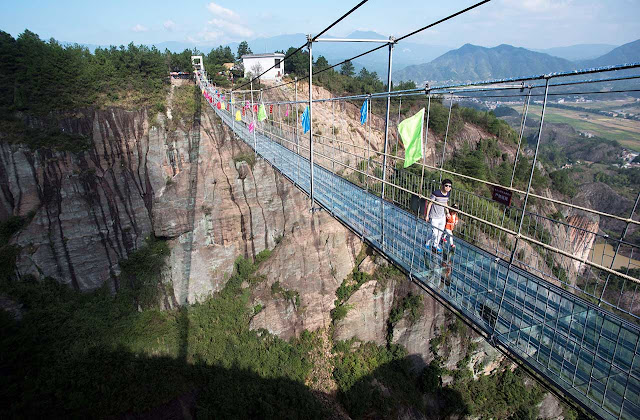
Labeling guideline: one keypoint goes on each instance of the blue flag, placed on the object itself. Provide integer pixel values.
(363, 112)
(306, 123)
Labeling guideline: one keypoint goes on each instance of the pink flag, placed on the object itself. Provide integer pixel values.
(219, 106)
(251, 127)
(286, 113)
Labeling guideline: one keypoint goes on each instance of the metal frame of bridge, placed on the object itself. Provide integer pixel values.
(581, 349)
(580, 343)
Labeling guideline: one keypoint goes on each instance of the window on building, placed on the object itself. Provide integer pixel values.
(278, 63)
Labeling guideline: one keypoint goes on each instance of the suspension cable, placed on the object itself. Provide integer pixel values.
(384, 45)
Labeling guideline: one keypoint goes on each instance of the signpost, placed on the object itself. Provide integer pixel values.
(502, 195)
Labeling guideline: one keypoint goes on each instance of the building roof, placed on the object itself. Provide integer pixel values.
(262, 55)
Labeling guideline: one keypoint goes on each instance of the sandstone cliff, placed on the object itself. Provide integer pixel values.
(203, 190)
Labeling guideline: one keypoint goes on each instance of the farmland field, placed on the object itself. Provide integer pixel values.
(624, 131)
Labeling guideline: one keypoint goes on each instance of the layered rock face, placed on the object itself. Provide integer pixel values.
(91, 209)
(202, 190)
(192, 187)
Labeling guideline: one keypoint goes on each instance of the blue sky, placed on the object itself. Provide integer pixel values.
(526, 23)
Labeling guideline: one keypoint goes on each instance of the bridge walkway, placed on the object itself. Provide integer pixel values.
(588, 353)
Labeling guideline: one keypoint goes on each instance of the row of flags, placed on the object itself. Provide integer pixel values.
(410, 129)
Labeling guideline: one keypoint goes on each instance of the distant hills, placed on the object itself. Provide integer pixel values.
(580, 52)
(471, 62)
(627, 53)
(439, 63)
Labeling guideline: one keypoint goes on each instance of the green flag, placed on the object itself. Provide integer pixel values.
(262, 114)
(411, 133)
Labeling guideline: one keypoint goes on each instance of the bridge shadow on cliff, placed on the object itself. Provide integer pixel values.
(45, 376)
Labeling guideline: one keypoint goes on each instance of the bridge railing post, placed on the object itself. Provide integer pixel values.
(446, 135)
(296, 133)
(526, 197)
(309, 46)
(386, 141)
(253, 119)
(615, 254)
(525, 111)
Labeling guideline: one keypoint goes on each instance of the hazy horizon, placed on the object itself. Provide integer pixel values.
(533, 24)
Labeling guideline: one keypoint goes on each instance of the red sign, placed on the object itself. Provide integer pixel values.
(502, 195)
(270, 109)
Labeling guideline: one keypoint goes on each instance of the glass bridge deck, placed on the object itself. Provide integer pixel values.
(586, 352)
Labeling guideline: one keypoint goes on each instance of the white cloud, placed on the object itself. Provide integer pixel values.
(169, 25)
(538, 6)
(139, 28)
(231, 28)
(207, 36)
(218, 10)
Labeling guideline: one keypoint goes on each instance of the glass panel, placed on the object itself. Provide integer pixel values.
(596, 392)
(624, 352)
(633, 390)
(606, 348)
(630, 411)
(610, 329)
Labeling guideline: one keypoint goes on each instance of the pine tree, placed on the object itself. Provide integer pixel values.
(347, 69)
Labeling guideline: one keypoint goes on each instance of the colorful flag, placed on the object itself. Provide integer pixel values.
(218, 105)
(286, 112)
(243, 109)
(306, 122)
(411, 133)
(251, 126)
(255, 108)
(363, 112)
(238, 116)
(221, 105)
(270, 109)
(262, 113)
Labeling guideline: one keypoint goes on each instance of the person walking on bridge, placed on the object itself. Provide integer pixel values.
(437, 214)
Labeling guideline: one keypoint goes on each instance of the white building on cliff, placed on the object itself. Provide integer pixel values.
(257, 63)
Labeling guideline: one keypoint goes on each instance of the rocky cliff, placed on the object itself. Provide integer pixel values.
(204, 191)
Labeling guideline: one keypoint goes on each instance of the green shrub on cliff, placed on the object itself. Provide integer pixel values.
(94, 355)
(375, 381)
(141, 271)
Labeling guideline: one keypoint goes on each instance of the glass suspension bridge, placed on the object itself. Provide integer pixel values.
(554, 294)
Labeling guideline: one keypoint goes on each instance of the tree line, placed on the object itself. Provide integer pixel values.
(39, 76)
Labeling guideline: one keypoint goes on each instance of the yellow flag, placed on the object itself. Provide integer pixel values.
(238, 116)
(222, 106)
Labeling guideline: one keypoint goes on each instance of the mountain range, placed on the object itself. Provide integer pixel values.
(472, 62)
(423, 62)
(579, 52)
